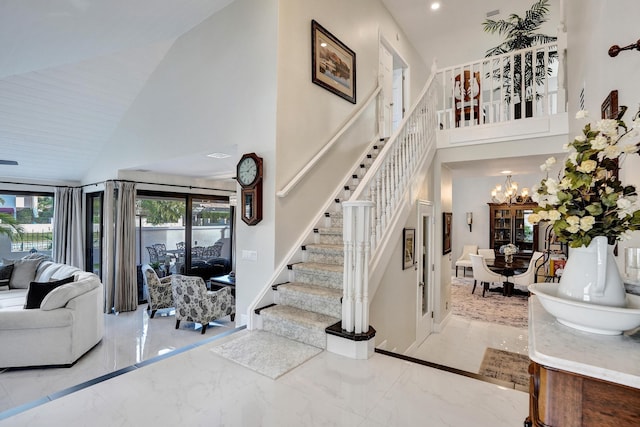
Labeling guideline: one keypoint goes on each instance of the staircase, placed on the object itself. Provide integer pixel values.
(311, 300)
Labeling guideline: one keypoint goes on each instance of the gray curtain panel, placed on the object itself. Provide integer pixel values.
(126, 287)
(108, 250)
(68, 241)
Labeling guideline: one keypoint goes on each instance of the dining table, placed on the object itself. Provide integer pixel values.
(508, 269)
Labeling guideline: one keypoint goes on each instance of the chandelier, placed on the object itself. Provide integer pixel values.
(509, 193)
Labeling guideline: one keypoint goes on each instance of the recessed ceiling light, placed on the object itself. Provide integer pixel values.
(323, 44)
(219, 155)
(506, 172)
(8, 162)
(435, 5)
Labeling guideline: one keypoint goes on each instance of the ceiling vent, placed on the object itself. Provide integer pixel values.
(493, 13)
(8, 162)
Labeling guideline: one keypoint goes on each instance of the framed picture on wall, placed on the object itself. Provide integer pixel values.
(333, 64)
(609, 107)
(408, 247)
(446, 232)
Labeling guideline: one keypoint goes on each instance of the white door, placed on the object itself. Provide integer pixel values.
(424, 240)
(386, 79)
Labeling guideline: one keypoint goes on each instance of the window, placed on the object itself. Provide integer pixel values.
(32, 215)
(184, 234)
(94, 233)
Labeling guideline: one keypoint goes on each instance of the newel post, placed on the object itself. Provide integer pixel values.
(353, 337)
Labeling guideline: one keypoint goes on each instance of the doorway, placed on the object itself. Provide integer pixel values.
(393, 71)
(424, 305)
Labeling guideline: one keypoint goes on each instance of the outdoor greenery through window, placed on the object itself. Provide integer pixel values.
(26, 224)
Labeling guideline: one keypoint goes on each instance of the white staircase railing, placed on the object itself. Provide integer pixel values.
(370, 210)
(496, 85)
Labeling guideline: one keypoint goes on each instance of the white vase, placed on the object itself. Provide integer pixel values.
(591, 275)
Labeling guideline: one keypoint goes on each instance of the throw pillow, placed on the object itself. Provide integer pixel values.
(5, 276)
(24, 272)
(37, 291)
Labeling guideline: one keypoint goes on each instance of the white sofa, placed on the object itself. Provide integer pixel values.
(69, 322)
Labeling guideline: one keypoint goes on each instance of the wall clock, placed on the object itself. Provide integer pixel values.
(249, 176)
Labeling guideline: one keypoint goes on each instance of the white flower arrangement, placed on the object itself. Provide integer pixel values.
(509, 249)
(589, 200)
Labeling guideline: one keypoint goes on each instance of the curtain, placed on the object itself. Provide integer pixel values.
(68, 240)
(126, 278)
(119, 273)
(108, 252)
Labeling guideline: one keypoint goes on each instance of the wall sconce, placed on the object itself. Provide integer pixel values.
(469, 219)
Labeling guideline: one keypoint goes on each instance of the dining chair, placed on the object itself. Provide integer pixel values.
(467, 94)
(482, 274)
(528, 277)
(464, 260)
(487, 253)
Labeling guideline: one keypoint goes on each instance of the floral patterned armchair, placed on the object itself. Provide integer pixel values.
(194, 303)
(159, 289)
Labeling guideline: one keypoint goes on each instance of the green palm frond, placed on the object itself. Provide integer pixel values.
(9, 226)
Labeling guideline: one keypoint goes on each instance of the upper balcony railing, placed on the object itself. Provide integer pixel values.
(497, 89)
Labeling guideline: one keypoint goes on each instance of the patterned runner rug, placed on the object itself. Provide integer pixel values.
(505, 366)
(493, 308)
(268, 354)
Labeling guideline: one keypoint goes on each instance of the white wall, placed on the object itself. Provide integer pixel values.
(216, 83)
(594, 26)
(392, 310)
(309, 115)
(462, 43)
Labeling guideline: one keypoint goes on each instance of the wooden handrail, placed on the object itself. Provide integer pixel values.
(296, 179)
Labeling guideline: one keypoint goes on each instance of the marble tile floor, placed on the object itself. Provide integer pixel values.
(200, 388)
(462, 342)
(130, 338)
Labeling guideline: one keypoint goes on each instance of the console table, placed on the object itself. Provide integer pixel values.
(581, 379)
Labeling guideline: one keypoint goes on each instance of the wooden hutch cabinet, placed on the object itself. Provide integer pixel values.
(508, 224)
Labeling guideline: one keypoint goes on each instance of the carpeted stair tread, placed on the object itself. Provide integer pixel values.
(309, 288)
(330, 230)
(300, 325)
(326, 247)
(307, 296)
(319, 267)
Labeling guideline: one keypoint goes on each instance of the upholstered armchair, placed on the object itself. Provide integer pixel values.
(159, 290)
(194, 303)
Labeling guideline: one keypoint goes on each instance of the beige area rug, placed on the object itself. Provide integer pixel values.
(494, 307)
(268, 354)
(506, 366)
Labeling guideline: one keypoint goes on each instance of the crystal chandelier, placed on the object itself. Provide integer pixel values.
(509, 193)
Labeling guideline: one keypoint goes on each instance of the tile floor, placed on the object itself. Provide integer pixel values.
(462, 343)
(130, 338)
(198, 387)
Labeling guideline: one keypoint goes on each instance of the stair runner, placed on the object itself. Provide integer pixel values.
(312, 300)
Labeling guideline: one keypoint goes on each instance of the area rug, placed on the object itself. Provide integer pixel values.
(506, 366)
(266, 353)
(493, 308)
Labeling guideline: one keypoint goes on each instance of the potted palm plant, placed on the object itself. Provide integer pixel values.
(521, 33)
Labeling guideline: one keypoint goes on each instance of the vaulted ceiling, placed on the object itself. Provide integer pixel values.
(70, 69)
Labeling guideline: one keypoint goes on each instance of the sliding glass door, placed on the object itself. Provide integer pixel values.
(184, 234)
